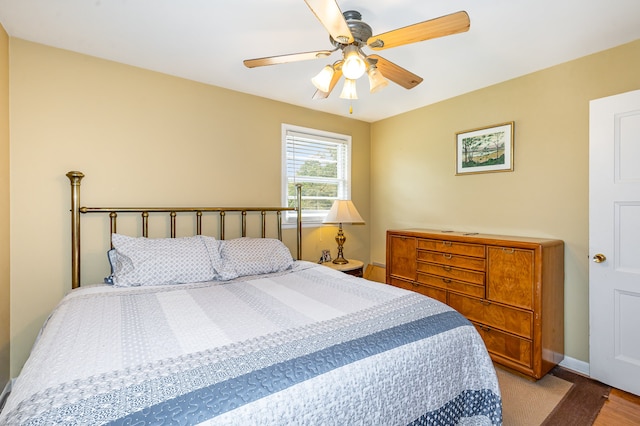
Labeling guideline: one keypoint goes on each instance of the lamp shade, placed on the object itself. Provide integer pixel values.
(376, 79)
(322, 81)
(343, 211)
(349, 89)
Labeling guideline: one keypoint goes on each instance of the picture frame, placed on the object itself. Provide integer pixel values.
(485, 150)
(326, 256)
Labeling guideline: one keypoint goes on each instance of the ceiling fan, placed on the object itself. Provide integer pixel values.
(349, 34)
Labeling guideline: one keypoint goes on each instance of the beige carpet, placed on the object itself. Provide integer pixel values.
(528, 403)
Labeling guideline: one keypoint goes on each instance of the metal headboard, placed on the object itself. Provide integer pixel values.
(76, 210)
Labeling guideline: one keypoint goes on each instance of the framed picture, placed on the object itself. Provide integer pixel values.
(484, 150)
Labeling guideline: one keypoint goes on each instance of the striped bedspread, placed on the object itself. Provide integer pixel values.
(311, 346)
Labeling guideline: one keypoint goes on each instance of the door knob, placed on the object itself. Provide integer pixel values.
(599, 258)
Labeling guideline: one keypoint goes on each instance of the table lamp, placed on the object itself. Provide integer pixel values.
(342, 211)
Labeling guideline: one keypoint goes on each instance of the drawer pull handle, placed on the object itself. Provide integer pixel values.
(447, 268)
(446, 243)
(508, 250)
(446, 255)
(446, 280)
(483, 328)
(485, 302)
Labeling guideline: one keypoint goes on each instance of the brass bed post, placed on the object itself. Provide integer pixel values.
(244, 223)
(222, 225)
(198, 223)
(173, 224)
(75, 178)
(299, 218)
(113, 226)
(279, 215)
(264, 223)
(145, 224)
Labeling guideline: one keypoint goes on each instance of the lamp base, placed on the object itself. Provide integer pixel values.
(340, 239)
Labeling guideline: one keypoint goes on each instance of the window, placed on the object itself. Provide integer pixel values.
(321, 162)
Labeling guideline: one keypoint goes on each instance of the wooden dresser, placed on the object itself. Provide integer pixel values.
(510, 288)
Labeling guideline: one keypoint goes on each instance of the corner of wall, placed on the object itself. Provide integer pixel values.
(5, 299)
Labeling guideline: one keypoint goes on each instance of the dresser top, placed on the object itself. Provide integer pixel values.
(445, 234)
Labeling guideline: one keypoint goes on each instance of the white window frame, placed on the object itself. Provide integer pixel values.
(315, 217)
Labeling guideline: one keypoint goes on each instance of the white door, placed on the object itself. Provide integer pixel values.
(614, 241)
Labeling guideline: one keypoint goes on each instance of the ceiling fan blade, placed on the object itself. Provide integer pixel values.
(319, 94)
(330, 16)
(439, 27)
(396, 73)
(282, 59)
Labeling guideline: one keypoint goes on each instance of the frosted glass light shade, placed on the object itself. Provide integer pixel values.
(343, 211)
(354, 65)
(349, 89)
(322, 80)
(376, 80)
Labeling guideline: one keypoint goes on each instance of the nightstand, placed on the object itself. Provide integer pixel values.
(354, 267)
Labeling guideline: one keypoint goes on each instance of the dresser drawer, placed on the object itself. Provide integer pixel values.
(433, 292)
(474, 290)
(465, 249)
(449, 259)
(507, 346)
(402, 257)
(400, 283)
(451, 272)
(511, 276)
(512, 320)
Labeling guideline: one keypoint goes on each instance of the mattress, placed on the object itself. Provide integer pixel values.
(302, 347)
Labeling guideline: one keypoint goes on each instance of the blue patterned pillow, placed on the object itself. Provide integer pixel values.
(253, 256)
(155, 261)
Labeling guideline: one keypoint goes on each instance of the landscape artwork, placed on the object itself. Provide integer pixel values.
(488, 149)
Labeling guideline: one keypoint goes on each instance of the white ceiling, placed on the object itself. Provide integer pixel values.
(207, 40)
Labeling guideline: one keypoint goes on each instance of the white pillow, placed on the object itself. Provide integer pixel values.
(253, 256)
(155, 261)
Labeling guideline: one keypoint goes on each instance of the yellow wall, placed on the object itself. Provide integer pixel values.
(413, 167)
(4, 208)
(141, 138)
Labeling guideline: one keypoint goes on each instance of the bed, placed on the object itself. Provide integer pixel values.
(222, 331)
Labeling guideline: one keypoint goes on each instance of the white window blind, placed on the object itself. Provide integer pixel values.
(319, 161)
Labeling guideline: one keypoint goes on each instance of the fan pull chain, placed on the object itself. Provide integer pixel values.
(350, 108)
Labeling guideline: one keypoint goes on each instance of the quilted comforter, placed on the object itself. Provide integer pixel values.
(307, 346)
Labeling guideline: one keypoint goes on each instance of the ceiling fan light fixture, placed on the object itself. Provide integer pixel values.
(349, 34)
(376, 79)
(349, 89)
(354, 65)
(322, 80)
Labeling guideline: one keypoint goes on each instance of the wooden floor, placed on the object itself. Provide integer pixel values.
(621, 409)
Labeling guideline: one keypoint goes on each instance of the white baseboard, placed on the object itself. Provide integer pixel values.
(575, 365)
